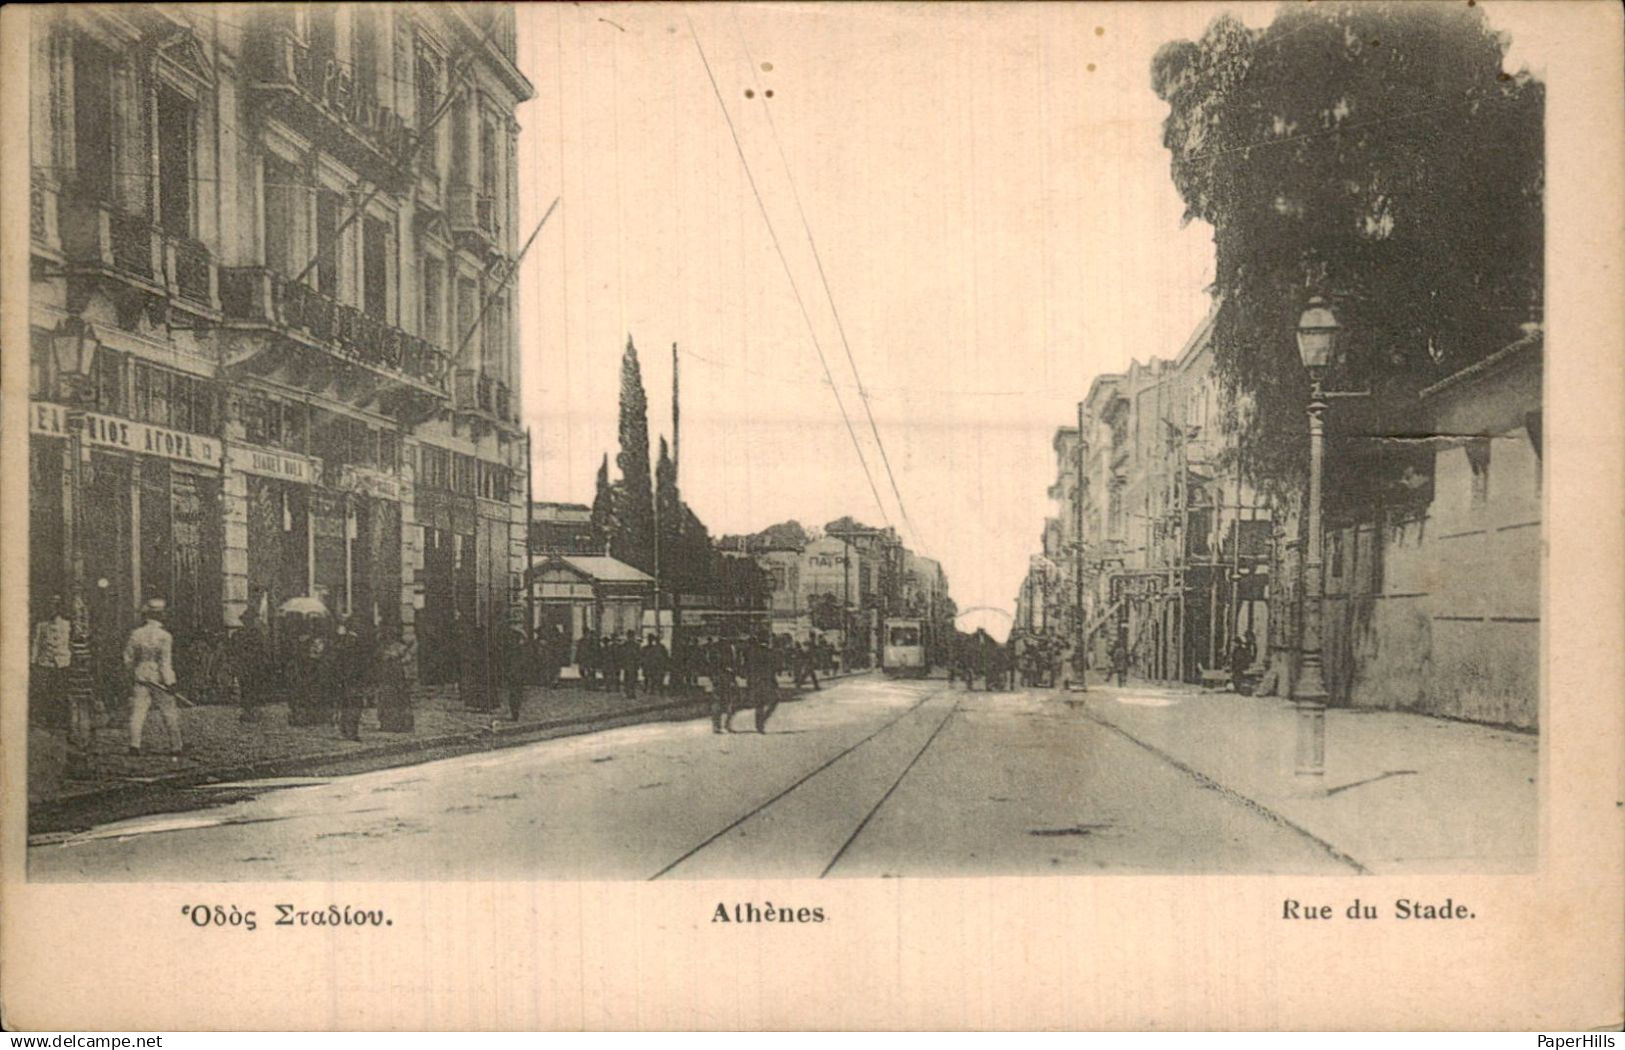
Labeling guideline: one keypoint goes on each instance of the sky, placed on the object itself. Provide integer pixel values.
(970, 204)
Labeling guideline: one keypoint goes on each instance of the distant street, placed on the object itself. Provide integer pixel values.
(869, 778)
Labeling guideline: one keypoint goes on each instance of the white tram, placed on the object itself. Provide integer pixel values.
(903, 651)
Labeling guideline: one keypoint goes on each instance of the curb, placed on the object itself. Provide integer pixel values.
(505, 736)
(47, 812)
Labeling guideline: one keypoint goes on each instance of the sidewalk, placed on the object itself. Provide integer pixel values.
(1404, 793)
(221, 747)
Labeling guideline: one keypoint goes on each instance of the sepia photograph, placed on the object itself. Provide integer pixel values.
(839, 463)
(499, 442)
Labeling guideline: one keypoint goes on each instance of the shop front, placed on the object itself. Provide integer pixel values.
(125, 511)
(278, 487)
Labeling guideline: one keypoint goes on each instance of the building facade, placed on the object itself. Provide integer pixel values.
(1156, 521)
(273, 343)
(1433, 584)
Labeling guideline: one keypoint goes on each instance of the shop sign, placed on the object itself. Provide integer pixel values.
(273, 463)
(126, 435)
(365, 481)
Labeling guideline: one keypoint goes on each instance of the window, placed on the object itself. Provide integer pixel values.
(488, 158)
(93, 118)
(176, 130)
(39, 363)
(1478, 459)
(467, 304)
(284, 208)
(375, 268)
(366, 55)
(389, 450)
(464, 476)
(459, 141)
(164, 398)
(327, 243)
(494, 335)
(434, 467)
(434, 305)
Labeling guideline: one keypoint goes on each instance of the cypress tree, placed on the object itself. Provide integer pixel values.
(635, 513)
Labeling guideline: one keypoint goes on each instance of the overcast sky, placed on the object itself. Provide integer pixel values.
(991, 205)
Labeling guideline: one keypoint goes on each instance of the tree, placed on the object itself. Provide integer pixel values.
(635, 511)
(1373, 154)
(605, 527)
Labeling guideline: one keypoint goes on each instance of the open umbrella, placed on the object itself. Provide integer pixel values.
(305, 606)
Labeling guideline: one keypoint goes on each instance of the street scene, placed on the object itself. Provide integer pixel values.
(506, 442)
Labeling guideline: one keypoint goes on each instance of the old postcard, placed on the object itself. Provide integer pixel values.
(770, 516)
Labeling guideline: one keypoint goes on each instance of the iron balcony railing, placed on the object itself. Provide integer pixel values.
(256, 294)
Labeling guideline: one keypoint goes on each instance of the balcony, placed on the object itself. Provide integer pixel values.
(473, 219)
(482, 399)
(392, 362)
(43, 232)
(311, 89)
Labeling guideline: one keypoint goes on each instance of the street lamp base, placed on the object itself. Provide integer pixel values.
(1310, 772)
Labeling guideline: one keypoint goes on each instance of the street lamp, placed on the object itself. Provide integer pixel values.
(1317, 339)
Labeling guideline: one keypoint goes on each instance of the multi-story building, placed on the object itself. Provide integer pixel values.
(1152, 508)
(272, 340)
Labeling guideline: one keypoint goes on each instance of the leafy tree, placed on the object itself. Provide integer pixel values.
(635, 510)
(1376, 155)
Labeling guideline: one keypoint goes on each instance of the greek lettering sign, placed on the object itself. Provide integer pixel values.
(367, 482)
(126, 435)
(273, 463)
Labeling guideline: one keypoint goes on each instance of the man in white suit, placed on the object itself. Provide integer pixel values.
(147, 655)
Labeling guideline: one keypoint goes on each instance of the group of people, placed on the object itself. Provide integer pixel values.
(329, 670)
(617, 663)
(1039, 658)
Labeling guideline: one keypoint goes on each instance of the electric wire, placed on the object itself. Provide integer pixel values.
(789, 275)
(829, 294)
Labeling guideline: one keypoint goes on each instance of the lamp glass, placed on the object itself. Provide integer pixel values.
(1317, 336)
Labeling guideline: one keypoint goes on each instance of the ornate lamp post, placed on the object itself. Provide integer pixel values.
(1317, 338)
(73, 349)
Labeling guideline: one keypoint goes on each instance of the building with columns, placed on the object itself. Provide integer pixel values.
(272, 335)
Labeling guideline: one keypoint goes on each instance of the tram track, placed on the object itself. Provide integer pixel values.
(808, 783)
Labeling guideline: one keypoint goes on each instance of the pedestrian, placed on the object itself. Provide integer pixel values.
(653, 661)
(806, 669)
(761, 679)
(351, 666)
(555, 654)
(1239, 662)
(49, 659)
(587, 660)
(149, 659)
(1120, 660)
(515, 668)
(724, 696)
(394, 684)
(629, 664)
(248, 651)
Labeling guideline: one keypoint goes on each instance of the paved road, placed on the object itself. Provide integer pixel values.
(869, 778)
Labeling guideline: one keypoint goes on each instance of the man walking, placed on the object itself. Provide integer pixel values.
(720, 669)
(762, 682)
(148, 656)
(805, 663)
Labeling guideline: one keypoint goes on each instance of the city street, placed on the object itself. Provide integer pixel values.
(867, 778)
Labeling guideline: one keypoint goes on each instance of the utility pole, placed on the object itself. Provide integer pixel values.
(1080, 660)
(530, 553)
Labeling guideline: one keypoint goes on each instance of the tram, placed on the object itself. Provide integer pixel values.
(904, 651)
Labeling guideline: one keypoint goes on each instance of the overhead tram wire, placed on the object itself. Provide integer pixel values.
(783, 261)
(840, 326)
